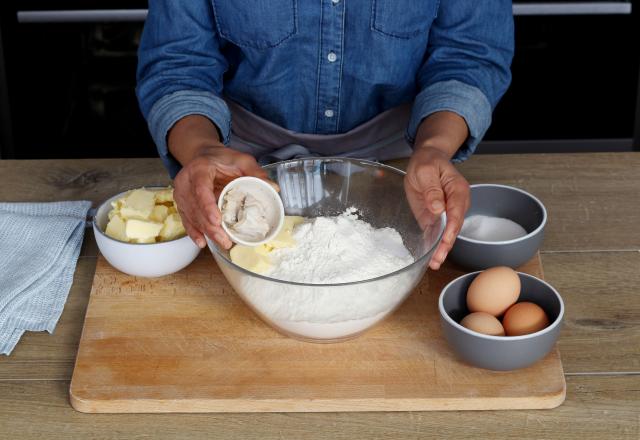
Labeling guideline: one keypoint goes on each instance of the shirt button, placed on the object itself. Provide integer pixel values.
(335, 2)
(328, 113)
(332, 57)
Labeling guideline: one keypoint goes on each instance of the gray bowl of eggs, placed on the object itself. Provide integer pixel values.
(500, 319)
(503, 227)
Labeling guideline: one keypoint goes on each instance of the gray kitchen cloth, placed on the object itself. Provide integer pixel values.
(39, 248)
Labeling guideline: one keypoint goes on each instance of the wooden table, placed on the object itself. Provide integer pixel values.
(591, 254)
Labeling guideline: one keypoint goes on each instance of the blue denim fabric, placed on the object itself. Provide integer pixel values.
(324, 66)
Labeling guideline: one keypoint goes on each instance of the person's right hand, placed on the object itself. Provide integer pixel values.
(198, 185)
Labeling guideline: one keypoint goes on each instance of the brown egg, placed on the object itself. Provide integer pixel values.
(494, 291)
(482, 322)
(524, 318)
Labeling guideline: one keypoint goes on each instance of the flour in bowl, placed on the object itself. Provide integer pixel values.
(339, 249)
(321, 251)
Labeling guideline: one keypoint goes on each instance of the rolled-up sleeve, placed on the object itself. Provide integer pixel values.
(467, 66)
(180, 70)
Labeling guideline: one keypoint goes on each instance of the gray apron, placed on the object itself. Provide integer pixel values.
(380, 138)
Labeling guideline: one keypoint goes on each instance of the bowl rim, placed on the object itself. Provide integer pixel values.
(443, 313)
(214, 248)
(514, 240)
(96, 227)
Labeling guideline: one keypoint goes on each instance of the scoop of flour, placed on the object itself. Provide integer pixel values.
(487, 228)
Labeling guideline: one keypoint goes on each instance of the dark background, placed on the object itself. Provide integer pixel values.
(70, 86)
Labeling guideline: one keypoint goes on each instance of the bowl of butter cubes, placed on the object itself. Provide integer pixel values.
(140, 233)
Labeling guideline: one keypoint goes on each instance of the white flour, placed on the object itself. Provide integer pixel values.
(487, 228)
(331, 250)
(339, 249)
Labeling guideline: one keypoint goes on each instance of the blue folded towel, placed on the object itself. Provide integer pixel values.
(39, 248)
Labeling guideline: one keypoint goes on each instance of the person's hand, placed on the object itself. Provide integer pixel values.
(198, 185)
(433, 185)
(207, 166)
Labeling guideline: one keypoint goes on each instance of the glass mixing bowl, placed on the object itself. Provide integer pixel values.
(327, 187)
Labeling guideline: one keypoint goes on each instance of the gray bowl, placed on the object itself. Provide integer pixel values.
(507, 202)
(500, 352)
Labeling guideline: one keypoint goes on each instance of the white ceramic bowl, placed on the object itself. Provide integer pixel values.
(274, 208)
(142, 259)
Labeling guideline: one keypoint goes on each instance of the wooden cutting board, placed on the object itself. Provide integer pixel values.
(187, 343)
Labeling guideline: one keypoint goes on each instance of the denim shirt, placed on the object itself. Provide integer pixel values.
(323, 66)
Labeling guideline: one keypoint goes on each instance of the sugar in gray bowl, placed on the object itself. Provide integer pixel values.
(506, 202)
(500, 352)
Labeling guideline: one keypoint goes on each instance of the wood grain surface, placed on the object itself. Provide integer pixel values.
(187, 343)
(597, 408)
(602, 308)
(592, 262)
(591, 196)
(601, 291)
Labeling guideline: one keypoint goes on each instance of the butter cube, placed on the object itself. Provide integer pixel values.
(284, 238)
(256, 258)
(143, 240)
(142, 229)
(138, 204)
(117, 204)
(172, 228)
(164, 195)
(247, 258)
(263, 249)
(159, 213)
(116, 228)
(290, 221)
(140, 215)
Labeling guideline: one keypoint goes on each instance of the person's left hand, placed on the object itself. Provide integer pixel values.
(433, 185)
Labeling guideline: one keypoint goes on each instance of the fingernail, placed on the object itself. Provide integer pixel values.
(201, 243)
(437, 205)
